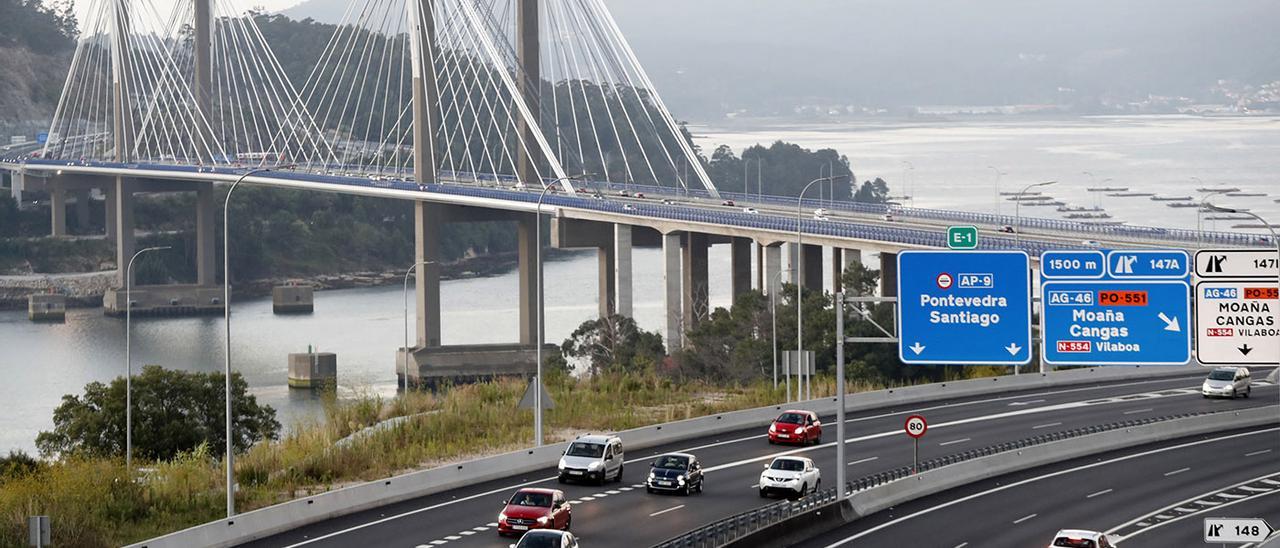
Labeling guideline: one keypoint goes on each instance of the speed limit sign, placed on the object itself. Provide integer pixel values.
(916, 426)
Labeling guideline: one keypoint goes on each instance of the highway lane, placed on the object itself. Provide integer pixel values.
(1155, 495)
(733, 462)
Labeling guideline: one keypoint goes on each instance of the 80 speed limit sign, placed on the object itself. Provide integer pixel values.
(916, 426)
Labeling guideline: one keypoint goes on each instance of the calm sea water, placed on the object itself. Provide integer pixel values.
(41, 362)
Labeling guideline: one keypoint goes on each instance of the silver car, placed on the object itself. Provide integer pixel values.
(1227, 382)
(592, 458)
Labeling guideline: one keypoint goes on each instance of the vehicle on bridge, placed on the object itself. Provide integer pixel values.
(792, 476)
(1227, 382)
(592, 458)
(796, 426)
(532, 508)
(1079, 538)
(675, 472)
(547, 539)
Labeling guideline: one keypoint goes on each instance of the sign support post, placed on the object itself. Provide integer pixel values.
(840, 462)
(916, 426)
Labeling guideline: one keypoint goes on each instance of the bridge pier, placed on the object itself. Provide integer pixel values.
(694, 279)
(811, 269)
(888, 274)
(772, 268)
(57, 210)
(740, 266)
(206, 269)
(607, 280)
(527, 248)
(122, 226)
(671, 289)
(622, 290)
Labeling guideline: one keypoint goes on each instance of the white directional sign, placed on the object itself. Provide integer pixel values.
(1236, 530)
(1236, 263)
(1236, 323)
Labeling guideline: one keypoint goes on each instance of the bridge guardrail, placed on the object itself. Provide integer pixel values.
(726, 531)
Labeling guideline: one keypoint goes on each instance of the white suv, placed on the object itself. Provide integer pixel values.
(790, 475)
(1227, 382)
(1079, 538)
(592, 458)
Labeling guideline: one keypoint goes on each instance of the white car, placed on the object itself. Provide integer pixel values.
(547, 538)
(790, 475)
(820, 212)
(1079, 538)
(1227, 382)
(750, 210)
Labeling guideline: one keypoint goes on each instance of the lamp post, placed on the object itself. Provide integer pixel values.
(1017, 211)
(1204, 202)
(537, 379)
(1274, 240)
(997, 187)
(773, 314)
(408, 273)
(799, 270)
(128, 358)
(226, 309)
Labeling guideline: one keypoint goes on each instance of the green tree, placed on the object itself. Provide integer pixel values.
(731, 345)
(174, 412)
(872, 192)
(613, 344)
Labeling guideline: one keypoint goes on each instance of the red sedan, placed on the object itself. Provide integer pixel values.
(796, 426)
(534, 509)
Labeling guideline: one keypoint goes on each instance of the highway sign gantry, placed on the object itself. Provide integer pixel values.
(1236, 305)
(1121, 307)
(1236, 530)
(964, 307)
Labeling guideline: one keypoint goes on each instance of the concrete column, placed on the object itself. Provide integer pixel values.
(529, 82)
(123, 227)
(109, 205)
(206, 228)
(607, 280)
(772, 267)
(849, 257)
(740, 261)
(837, 270)
(57, 210)
(622, 269)
(760, 281)
(694, 269)
(426, 236)
(82, 210)
(671, 291)
(527, 248)
(812, 274)
(888, 274)
(793, 263)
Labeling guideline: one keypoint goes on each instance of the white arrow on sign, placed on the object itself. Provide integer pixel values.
(1013, 349)
(1236, 530)
(1170, 325)
(917, 348)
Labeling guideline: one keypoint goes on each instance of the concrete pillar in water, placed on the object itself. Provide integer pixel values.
(888, 274)
(57, 209)
(772, 269)
(811, 256)
(313, 370)
(206, 257)
(123, 227)
(671, 292)
(426, 236)
(622, 269)
(694, 281)
(527, 249)
(607, 279)
(740, 266)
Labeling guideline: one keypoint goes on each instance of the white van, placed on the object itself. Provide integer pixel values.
(592, 458)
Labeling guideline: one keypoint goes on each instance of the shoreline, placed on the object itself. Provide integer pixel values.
(86, 289)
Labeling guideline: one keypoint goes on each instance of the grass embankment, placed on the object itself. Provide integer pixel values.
(92, 503)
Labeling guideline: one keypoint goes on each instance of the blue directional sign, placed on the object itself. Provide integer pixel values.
(964, 307)
(1138, 311)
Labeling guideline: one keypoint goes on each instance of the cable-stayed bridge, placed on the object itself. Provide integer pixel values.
(469, 108)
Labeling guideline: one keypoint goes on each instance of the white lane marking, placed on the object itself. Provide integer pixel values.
(491, 524)
(625, 488)
(660, 512)
(1230, 496)
(1175, 472)
(1255, 489)
(953, 442)
(508, 488)
(1099, 493)
(588, 498)
(639, 485)
(1006, 487)
(1271, 482)
(1256, 453)
(466, 533)
(453, 537)
(1207, 503)
(962, 545)
(860, 461)
(1024, 518)
(1037, 427)
(1136, 411)
(617, 492)
(1117, 541)
(481, 528)
(1017, 403)
(439, 542)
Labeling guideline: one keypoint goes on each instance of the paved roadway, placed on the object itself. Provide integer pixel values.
(624, 515)
(1151, 496)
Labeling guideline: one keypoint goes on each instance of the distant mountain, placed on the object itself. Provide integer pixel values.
(709, 57)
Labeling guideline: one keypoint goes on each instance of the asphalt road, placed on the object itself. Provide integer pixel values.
(622, 514)
(1151, 496)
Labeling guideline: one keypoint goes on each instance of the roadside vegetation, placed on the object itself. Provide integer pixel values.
(608, 376)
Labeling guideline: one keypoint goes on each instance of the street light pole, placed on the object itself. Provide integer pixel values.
(799, 270)
(773, 314)
(407, 353)
(997, 189)
(1017, 211)
(1204, 201)
(1274, 239)
(537, 379)
(226, 309)
(840, 468)
(128, 358)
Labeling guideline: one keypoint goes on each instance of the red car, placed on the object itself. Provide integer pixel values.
(534, 509)
(796, 426)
